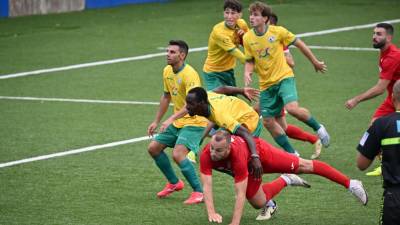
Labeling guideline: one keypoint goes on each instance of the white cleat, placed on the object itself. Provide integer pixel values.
(357, 189)
(323, 136)
(294, 180)
(317, 151)
(267, 211)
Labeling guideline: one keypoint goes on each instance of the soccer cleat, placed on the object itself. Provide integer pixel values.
(191, 156)
(357, 189)
(318, 148)
(294, 180)
(323, 136)
(267, 211)
(170, 188)
(195, 198)
(376, 172)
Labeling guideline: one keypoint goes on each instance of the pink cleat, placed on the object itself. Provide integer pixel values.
(170, 188)
(195, 198)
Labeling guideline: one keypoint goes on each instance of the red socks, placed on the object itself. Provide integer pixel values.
(273, 188)
(299, 134)
(327, 171)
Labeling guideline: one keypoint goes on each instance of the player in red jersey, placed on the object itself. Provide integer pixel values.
(389, 68)
(228, 153)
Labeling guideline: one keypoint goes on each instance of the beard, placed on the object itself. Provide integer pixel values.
(379, 44)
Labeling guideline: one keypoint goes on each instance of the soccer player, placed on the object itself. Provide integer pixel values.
(228, 153)
(389, 68)
(184, 134)
(383, 137)
(223, 50)
(264, 52)
(291, 130)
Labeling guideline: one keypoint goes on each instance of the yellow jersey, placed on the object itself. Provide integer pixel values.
(178, 85)
(222, 40)
(230, 112)
(267, 52)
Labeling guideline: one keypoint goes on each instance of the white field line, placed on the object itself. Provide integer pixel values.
(78, 100)
(341, 48)
(74, 151)
(148, 56)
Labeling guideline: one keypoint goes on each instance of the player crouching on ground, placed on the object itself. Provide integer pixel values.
(228, 153)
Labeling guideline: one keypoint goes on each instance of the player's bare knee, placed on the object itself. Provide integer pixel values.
(179, 153)
(154, 148)
(305, 166)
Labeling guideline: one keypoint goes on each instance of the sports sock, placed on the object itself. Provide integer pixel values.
(313, 123)
(164, 164)
(327, 171)
(273, 188)
(283, 141)
(297, 133)
(190, 175)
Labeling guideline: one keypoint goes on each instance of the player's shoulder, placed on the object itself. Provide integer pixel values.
(277, 29)
(218, 27)
(167, 70)
(242, 24)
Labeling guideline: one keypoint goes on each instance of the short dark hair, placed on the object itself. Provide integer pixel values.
(388, 27)
(221, 135)
(183, 47)
(273, 19)
(200, 94)
(262, 7)
(233, 4)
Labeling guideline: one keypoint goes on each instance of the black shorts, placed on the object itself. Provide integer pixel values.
(391, 206)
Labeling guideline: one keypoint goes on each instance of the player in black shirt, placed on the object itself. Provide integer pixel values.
(384, 137)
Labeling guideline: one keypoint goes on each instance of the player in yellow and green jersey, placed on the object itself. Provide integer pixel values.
(183, 134)
(230, 113)
(264, 53)
(223, 50)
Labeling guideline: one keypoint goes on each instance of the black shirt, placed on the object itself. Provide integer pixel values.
(384, 134)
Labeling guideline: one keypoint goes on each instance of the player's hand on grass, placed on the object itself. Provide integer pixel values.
(151, 129)
(251, 93)
(320, 66)
(256, 168)
(214, 218)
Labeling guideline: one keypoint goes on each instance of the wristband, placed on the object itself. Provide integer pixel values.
(255, 156)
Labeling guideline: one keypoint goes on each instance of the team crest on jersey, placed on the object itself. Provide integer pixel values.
(271, 39)
(262, 53)
(179, 80)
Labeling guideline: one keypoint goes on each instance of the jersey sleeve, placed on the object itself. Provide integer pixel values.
(192, 81)
(247, 50)
(223, 41)
(287, 37)
(165, 82)
(205, 161)
(388, 68)
(370, 143)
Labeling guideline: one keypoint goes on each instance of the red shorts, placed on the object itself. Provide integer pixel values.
(274, 160)
(384, 109)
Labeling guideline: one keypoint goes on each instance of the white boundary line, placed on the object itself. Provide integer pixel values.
(341, 48)
(78, 100)
(148, 56)
(74, 151)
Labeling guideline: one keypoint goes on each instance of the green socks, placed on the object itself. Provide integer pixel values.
(190, 174)
(283, 141)
(164, 164)
(313, 123)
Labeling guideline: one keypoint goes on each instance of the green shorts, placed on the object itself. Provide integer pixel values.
(274, 98)
(258, 130)
(188, 136)
(214, 80)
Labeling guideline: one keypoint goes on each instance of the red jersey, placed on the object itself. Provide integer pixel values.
(389, 68)
(236, 164)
